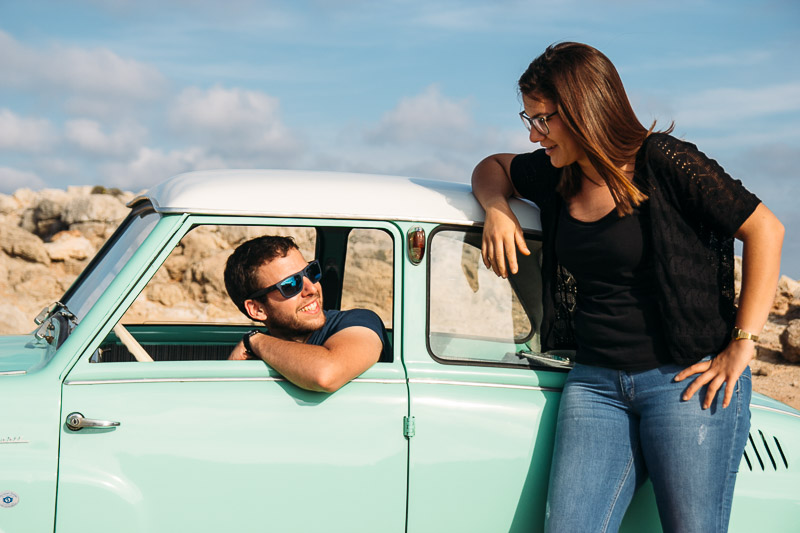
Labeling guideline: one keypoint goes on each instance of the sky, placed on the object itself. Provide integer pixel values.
(125, 93)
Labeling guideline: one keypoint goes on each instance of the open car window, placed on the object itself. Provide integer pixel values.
(184, 312)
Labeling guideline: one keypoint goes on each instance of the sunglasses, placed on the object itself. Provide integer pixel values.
(293, 285)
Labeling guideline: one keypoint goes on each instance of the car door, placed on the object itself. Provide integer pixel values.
(211, 445)
(484, 398)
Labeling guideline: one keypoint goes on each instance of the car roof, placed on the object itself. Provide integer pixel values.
(317, 194)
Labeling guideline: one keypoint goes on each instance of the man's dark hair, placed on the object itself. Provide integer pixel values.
(240, 270)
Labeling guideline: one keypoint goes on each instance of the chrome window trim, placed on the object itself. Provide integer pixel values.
(164, 380)
(479, 384)
(209, 380)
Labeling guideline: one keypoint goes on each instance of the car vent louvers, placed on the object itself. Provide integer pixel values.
(749, 464)
(769, 452)
(778, 444)
(772, 452)
(758, 455)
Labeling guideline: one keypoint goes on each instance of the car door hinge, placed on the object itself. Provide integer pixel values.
(409, 426)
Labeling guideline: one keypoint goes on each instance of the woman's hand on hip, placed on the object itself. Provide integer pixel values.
(502, 236)
(725, 368)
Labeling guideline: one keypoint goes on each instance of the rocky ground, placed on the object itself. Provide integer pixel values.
(47, 237)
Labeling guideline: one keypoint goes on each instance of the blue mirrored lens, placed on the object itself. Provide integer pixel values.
(313, 271)
(291, 285)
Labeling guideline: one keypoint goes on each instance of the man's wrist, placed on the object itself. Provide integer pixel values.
(248, 348)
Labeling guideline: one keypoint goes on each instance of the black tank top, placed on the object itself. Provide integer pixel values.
(617, 320)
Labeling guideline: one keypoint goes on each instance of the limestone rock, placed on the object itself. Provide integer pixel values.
(93, 208)
(3, 270)
(97, 232)
(13, 320)
(41, 289)
(790, 340)
(168, 294)
(27, 220)
(25, 197)
(786, 296)
(201, 243)
(69, 245)
(176, 266)
(7, 204)
(18, 242)
(50, 203)
(209, 274)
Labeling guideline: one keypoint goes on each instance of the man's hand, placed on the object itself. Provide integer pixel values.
(238, 353)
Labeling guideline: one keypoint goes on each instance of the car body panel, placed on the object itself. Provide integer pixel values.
(203, 454)
(20, 354)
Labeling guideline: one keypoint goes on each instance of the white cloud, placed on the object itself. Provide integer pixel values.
(233, 121)
(25, 134)
(12, 179)
(88, 135)
(426, 119)
(152, 166)
(728, 106)
(77, 71)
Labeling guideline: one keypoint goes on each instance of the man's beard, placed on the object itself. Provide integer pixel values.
(291, 329)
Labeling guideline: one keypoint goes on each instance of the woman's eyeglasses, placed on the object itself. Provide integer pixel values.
(537, 123)
(292, 285)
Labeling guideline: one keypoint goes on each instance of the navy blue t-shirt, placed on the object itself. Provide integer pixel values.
(336, 321)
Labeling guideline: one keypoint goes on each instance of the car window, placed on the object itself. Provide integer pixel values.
(368, 273)
(109, 261)
(184, 312)
(474, 315)
(189, 286)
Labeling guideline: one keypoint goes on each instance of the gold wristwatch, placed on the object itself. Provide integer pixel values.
(739, 334)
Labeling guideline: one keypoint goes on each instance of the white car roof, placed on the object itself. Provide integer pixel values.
(293, 193)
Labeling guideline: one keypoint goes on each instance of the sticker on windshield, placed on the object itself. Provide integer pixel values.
(8, 499)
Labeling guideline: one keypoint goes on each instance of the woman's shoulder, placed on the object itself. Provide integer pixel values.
(662, 142)
(665, 145)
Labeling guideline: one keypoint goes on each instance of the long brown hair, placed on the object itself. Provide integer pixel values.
(592, 102)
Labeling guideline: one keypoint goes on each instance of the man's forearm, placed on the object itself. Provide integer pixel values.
(344, 356)
(307, 366)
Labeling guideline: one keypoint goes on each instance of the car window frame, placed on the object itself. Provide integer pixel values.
(226, 369)
(528, 235)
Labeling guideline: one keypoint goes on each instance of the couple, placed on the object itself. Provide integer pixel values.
(643, 224)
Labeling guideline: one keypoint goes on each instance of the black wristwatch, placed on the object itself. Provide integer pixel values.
(248, 348)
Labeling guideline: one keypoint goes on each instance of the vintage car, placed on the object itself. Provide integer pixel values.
(120, 415)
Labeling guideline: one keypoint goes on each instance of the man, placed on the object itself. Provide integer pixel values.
(269, 281)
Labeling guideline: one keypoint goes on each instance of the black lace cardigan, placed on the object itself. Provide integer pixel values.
(695, 208)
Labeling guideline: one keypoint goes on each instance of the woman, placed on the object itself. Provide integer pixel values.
(637, 267)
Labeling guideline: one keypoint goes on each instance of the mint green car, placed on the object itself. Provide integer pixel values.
(123, 415)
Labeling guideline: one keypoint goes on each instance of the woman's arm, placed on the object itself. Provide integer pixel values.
(502, 233)
(762, 237)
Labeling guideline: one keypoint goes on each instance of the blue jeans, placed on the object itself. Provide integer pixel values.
(616, 428)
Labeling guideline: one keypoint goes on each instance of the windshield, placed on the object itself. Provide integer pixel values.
(110, 260)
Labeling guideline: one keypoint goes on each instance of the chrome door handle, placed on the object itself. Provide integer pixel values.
(76, 422)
